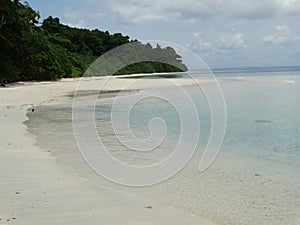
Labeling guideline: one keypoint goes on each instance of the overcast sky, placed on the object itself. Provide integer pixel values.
(224, 33)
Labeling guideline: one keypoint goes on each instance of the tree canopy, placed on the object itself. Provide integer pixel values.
(51, 50)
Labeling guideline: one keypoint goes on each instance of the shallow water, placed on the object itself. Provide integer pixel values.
(255, 179)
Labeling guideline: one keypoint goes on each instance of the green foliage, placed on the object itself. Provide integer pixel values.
(150, 60)
(50, 51)
(147, 67)
(16, 21)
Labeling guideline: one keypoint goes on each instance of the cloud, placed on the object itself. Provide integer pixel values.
(142, 11)
(198, 45)
(252, 9)
(78, 17)
(291, 7)
(224, 42)
(231, 41)
(281, 36)
(139, 12)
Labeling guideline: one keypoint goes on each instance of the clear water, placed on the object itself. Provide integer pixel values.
(255, 179)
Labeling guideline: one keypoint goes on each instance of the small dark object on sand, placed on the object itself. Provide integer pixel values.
(257, 174)
(14, 218)
(32, 110)
(17, 192)
(148, 207)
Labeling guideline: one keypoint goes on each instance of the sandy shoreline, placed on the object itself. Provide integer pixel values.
(35, 189)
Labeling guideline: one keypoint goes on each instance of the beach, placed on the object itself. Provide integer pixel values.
(36, 189)
(149, 112)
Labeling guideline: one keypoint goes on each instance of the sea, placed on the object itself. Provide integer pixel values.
(255, 178)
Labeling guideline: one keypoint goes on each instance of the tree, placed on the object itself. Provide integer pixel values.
(17, 20)
(52, 50)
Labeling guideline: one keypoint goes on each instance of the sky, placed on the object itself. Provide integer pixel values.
(224, 33)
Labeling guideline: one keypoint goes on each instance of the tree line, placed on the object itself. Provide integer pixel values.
(50, 50)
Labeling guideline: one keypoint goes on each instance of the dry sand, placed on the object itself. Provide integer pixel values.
(36, 190)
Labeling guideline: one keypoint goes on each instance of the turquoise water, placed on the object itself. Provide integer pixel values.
(255, 178)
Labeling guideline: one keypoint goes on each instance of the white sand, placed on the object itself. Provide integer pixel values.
(35, 189)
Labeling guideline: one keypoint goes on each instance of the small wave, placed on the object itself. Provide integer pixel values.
(263, 121)
(290, 81)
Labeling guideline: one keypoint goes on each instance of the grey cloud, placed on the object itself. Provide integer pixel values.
(136, 11)
(147, 11)
(228, 41)
(77, 17)
(197, 44)
(281, 36)
(231, 41)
